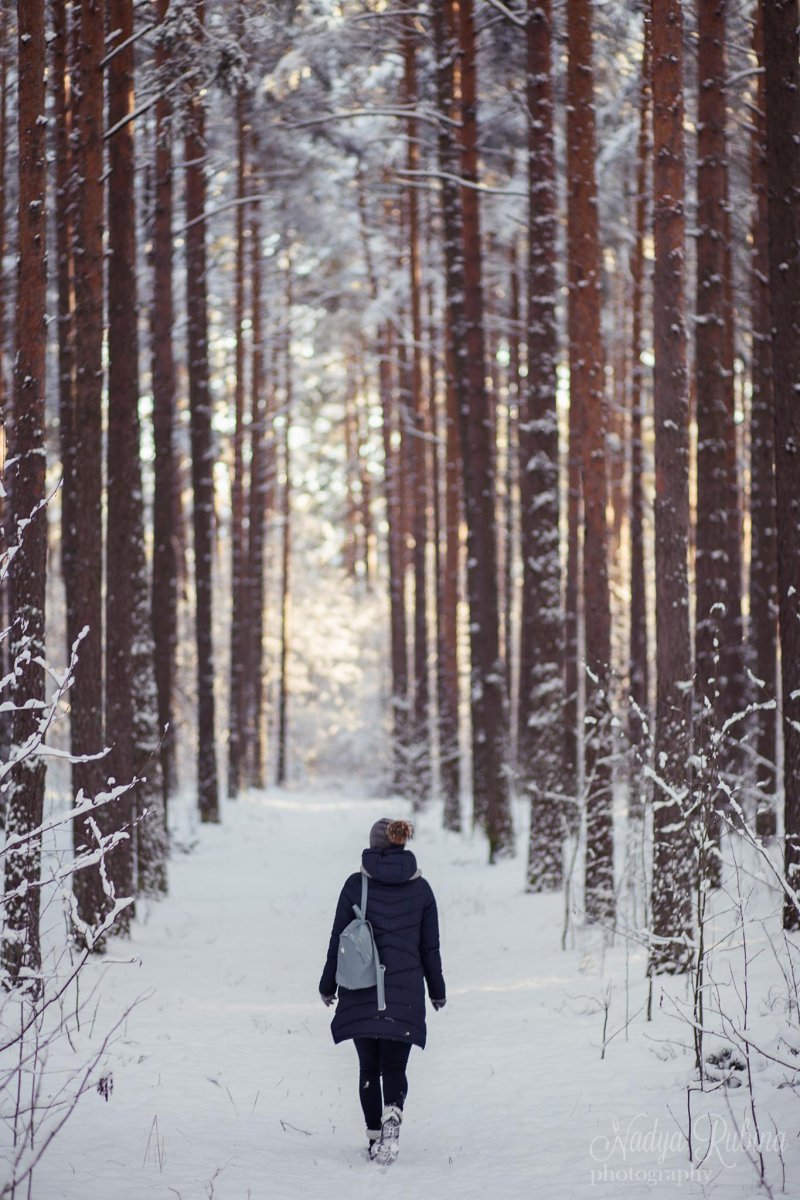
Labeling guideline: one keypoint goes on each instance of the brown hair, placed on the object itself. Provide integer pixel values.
(399, 832)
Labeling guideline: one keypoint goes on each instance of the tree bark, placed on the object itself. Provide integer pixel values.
(572, 616)
(364, 476)
(131, 723)
(394, 553)
(259, 505)
(61, 89)
(392, 491)
(286, 544)
(639, 685)
(86, 473)
(719, 673)
(6, 719)
(763, 567)
(673, 858)
(420, 764)
(616, 433)
(541, 695)
(122, 457)
(352, 547)
(201, 432)
(21, 953)
(782, 75)
(238, 510)
(490, 786)
(510, 632)
(5, 56)
(165, 498)
(587, 386)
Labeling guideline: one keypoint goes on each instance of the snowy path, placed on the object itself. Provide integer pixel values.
(227, 1084)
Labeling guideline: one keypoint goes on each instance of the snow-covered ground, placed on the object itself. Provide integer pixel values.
(226, 1082)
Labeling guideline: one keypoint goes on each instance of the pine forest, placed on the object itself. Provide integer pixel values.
(399, 437)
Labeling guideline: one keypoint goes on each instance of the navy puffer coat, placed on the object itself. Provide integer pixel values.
(402, 911)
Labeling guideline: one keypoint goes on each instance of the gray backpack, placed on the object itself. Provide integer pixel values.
(358, 965)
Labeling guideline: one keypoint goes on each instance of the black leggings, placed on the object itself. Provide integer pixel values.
(381, 1057)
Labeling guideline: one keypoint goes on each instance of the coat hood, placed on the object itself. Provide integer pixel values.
(394, 865)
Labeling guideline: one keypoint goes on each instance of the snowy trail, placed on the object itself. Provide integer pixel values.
(227, 1083)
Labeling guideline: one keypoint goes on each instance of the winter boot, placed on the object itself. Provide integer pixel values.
(373, 1137)
(389, 1142)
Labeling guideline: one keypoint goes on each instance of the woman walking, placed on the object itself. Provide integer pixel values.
(402, 912)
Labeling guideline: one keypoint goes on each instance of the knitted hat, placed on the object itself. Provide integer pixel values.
(386, 833)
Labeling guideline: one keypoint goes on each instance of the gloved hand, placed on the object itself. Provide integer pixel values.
(437, 1004)
(328, 1000)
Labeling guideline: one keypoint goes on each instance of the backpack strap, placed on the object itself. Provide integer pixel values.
(381, 989)
(361, 912)
(379, 967)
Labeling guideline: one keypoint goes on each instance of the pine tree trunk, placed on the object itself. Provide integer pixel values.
(404, 465)
(587, 386)
(541, 697)
(718, 536)
(61, 88)
(763, 566)
(6, 719)
(238, 584)
(672, 848)
(499, 376)
(490, 785)
(200, 404)
(392, 490)
(394, 554)
(122, 461)
(573, 610)
(572, 618)
(510, 637)
(782, 75)
(639, 708)
(449, 742)
(437, 383)
(131, 702)
(365, 478)
(86, 473)
(259, 506)
(5, 55)
(616, 436)
(165, 499)
(286, 545)
(152, 839)
(455, 397)
(351, 541)
(21, 954)
(437, 464)
(420, 773)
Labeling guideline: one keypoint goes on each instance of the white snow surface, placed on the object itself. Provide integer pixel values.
(226, 1082)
